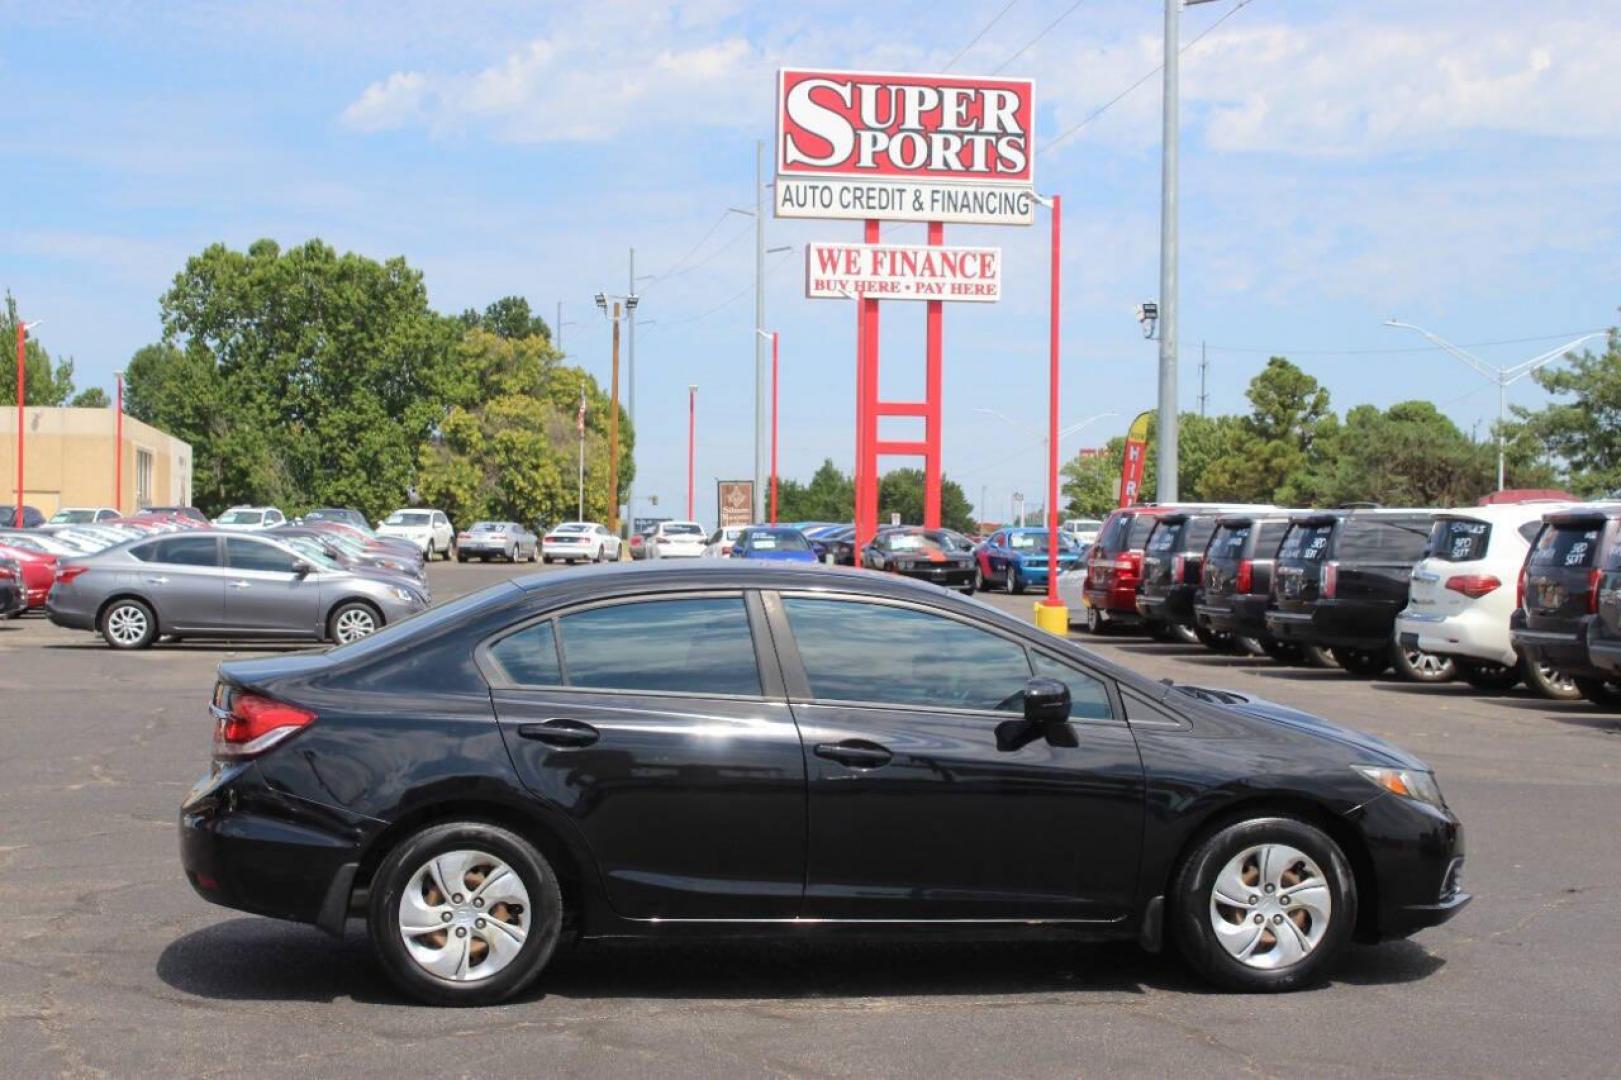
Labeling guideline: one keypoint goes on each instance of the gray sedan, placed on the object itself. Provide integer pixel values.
(489, 539)
(205, 584)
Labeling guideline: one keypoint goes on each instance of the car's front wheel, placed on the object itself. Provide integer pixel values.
(1264, 905)
(352, 621)
(1600, 692)
(464, 913)
(129, 624)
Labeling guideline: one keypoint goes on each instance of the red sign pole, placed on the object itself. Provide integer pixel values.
(118, 447)
(867, 490)
(932, 384)
(1052, 411)
(22, 378)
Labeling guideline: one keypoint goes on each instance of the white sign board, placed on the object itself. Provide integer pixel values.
(902, 272)
(856, 200)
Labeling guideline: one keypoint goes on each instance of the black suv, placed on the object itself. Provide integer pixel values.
(1236, 584)
(1563, 593)
(1172, 558)
(1341, 579)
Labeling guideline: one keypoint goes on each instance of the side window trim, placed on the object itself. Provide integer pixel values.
(793, 666)
(765, 663)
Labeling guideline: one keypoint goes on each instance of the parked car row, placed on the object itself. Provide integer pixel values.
(1494, 594)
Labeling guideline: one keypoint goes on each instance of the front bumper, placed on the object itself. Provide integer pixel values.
(1417, 855)
(949, 576)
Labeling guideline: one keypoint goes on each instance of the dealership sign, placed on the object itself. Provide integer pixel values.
(902, 272)
(905, 147)
(735, 502)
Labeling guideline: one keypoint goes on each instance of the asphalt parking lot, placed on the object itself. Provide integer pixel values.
(112, 966)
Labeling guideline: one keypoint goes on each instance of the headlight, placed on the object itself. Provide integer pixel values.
(405, 595)
(1415, 784)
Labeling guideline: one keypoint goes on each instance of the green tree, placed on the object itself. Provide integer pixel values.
(47, 383)
(900, 491)
(91, 397)
(829, 496)
(1581, 428)
(1276, 443)
(508, 317)
(1408, 455)
(1091, 484)
(183, 392)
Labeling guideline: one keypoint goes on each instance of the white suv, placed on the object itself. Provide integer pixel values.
(250, 518)
(677, 540)
(429, 530)
(1463, 591)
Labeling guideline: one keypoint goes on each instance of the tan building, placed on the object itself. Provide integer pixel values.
(68, 461)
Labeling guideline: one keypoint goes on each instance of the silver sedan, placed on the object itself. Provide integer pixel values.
(497, 539)
(210, 585)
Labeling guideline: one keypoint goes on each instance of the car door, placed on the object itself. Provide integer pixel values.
(662, 731)
(183, 578)
(442, 531)
(264, 594)
(930, 798)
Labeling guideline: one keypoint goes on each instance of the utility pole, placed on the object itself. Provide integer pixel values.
(630, 493)
(692, 441)
(579, 422)
(22, 396)
(759, 326)
(613, 433)
(1167, 261)
(557, 327)
(1204, 366)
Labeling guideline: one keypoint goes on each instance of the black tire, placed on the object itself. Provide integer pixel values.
(1248, 646)
(1191, 908)
(1011, 585)
(979, 577)
(1600, 692)
(460, 557)
(1181, 634)
(1366, 663)
(128, 623)
(1413, 665)
(545, 917)
(1157, 630)
(1485, 675)
(356, 610)
(1548, 683)
(1214, 640)
(547, 559)
(1316, 656)
(1284, 652)
(1095, 623)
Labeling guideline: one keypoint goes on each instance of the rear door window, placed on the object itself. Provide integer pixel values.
(1141, 526)
(700, 645)
(187, 551)
(1573, 544)
(1163, 540)
(1459, 540)
(1306, 543)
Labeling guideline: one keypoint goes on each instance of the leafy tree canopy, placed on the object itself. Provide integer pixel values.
(46, 383)
(92, 397)
(508, 317)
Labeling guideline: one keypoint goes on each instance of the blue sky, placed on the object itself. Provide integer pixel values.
(1453, 163)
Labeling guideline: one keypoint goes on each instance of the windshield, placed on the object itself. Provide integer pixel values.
(408, 519)
(241, 517)
(311, 550)
(489, 526)
(683, 528)
(1037, 542)
(72, 517)
(781, 540)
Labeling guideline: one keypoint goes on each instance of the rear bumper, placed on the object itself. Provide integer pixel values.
(1174, 605)
(1116, 604)
(1333, 625)
(1564, 651)
(554, 551)
(1466, 635)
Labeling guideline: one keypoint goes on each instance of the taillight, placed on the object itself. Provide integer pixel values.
(6, 574)
(1331, 580)
(254, 724)
(1593, 578)
(1473, 586)
(66, 574)
(1519, 590)
(1246, 576)
(1179, 566)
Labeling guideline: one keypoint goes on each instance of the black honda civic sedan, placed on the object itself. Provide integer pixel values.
(728, 747)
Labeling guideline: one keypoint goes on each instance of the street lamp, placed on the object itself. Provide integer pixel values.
(692, 440)
(22, 381)
(1502, 376)
(118, 444)
(775, 352)
(629, 302)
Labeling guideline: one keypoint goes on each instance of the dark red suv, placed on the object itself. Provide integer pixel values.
(1114, 566)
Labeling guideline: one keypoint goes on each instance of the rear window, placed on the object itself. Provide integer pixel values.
(1573, 543)
(683, 530)
(1163, 540)
(1228, 542)
(1369, 539)
(1458, 540)
(1306, 543)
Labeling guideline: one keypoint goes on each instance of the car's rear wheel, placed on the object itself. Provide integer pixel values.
(1214, 640)
(461, 556)
(464, 913)
(1181, 634)
(1318, 657)
(1367, 663)
(352, 621)
(1485, 675)
(1094, 621)
(1284, 652)
(1599, 691)
(1546, 681)
(129, 624)
(1415, 665)
(1265, 904)
(1248, 646)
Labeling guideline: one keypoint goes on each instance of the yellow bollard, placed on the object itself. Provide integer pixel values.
(1053, 618)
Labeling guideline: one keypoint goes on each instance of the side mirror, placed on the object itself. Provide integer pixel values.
(304, 569)
(1046, 702)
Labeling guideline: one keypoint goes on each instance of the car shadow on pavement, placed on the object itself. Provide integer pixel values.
(195, 647)
(250, 959)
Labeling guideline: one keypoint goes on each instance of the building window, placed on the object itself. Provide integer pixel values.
(143, 478)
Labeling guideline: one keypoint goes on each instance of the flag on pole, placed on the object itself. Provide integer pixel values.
(579, 419)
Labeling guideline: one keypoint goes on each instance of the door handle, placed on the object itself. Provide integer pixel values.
(241, 585)
(856, 753)
(563, 733)
(157, 581)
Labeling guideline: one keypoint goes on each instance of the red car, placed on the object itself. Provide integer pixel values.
(1115, 565)
(38, 571)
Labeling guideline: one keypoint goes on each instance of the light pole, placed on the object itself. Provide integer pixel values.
(1045, 439)
(22, 396)
(629, 303)
(1169, 421)
(692, 441)
(579, 423)
(1501, 376)
(776, 342)
(118, 444)
(557, 328)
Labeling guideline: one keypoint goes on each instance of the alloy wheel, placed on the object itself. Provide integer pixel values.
(1270, 906)
(126, 624)
(464, 916)
(1428, 666)
(354, 624)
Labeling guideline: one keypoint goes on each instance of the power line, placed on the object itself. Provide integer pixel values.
(1392, 352)
(693, 250)
(982, 32)
(1112, 102)
(730, 300)
(1027, 45)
